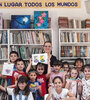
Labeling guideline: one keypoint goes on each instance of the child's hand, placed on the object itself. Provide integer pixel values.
(50, 90)
(80, 84)
(30, 60)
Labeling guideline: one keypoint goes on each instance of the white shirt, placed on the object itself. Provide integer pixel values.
(86, 88)
(11, 92)
(57, 96)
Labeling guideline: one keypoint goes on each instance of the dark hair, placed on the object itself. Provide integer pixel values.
(47, 42)
(74, 68)
(40, 65)
(32, 70)
(57, 63)
(65, 63)
(57, 77)
(86, 66)
(18, 60)
(78, 59)
(14, 52)
(22, 79)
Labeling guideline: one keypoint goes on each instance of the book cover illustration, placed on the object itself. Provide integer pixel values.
(7, 69)
(1, 20)
(20, 21)
(41, 19)
(39, 58)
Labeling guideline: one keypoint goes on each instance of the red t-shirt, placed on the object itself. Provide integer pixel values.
(42, 80)
(16, 75)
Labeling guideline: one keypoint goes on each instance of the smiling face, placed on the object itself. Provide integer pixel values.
(32, 76)
(13, 57)
(22, 85)
(87, 73)
(79, 65)
(56, 68)
(20, 65)
(58, 84)
(47, 47)
(66, 68)
(74, 73)
(40, 70)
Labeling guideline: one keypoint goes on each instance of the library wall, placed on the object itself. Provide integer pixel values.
(54, 13)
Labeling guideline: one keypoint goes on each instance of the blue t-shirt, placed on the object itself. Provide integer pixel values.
(34, 89)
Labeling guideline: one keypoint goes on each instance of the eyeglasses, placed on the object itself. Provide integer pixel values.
(47, 46)
(40, 69)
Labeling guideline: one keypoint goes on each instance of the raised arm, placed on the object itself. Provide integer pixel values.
(29, 66)
(49, 70)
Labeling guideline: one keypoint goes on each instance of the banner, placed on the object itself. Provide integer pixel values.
(40, 3)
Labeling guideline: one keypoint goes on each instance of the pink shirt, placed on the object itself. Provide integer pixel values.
(53, 75)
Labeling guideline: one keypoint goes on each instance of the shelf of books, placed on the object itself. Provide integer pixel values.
(74, 43)
(25, 41)
(3, 45)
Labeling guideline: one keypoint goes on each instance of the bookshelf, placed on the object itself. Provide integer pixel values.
(25, 41)
(74, 43)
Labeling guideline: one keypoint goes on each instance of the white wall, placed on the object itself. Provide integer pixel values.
(78, 13)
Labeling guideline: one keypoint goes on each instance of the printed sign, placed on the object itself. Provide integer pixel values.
(40, 3)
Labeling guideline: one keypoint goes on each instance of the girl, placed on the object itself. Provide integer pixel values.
(57, 92)
(79, 65)
(66, 68)
(21, 92)
(71, 83)
(84, 88)
(56, 72)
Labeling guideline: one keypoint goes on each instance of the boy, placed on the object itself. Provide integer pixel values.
(19, 63)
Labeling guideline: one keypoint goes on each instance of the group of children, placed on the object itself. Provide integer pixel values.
(64, 83)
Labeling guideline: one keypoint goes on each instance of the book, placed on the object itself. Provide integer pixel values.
(41, 20)
(39, 58)
(1, 20)
(7, 69)
(20, 21)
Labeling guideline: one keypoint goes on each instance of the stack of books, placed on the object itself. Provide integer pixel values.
(63, 22)
(87, 21)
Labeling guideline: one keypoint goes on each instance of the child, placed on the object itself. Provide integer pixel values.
(56, 67)
(56, 92)
(84, 88)
(71, 84)
(34, 85)
(16, 74)
(65, 66)
(41, 77)
(79, 65)
(13, 57)
(21, 92)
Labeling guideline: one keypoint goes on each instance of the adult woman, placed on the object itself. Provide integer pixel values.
(48, 49)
